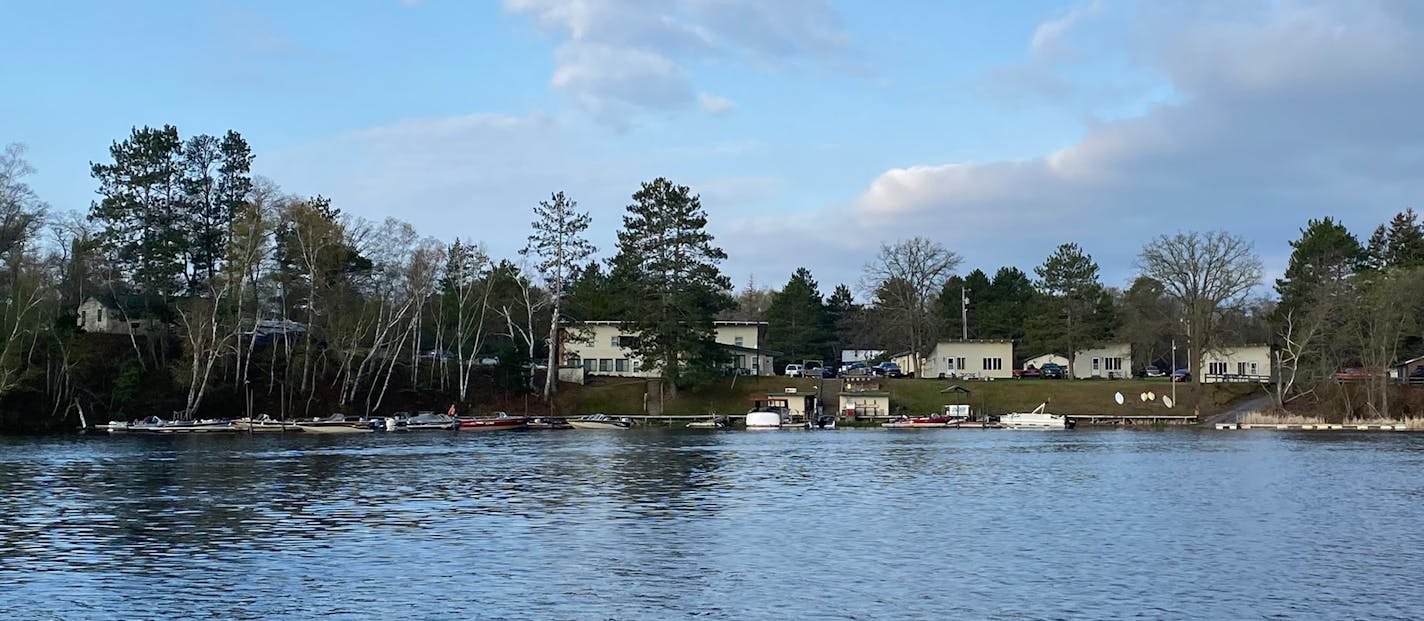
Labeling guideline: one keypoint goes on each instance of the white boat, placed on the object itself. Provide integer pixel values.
(264, 424)
(430, 421)
(156, 425)
(337, 423)
(601, 421)
(716, 422)
(1037, 419)
(767, 418)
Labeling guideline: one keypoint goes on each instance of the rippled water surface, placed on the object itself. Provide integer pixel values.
(723, 525)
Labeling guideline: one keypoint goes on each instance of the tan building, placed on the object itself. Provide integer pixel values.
(603, 348)
(1111, 361)
(123, 314)
(1244, 363)
(977, 359)
(862, 397)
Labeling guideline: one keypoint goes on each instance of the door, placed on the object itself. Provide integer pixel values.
(1097, 367)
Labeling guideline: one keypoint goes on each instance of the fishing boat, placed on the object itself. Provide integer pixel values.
(932, 421)
(156, 425)
(601, 421)
(716, 422)
(1037, 419)
(499, 422)
(548, 423)
(430, 421)
(336, 423)
(264, 424)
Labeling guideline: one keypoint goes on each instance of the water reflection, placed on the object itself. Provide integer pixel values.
(735, 525)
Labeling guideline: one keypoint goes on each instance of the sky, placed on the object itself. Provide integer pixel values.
(814, 131)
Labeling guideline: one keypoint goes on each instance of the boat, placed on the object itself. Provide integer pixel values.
(789, 410)
(716, 422)
(601, 421)
(1037, 419)
(337, 423)
(156, 425)
(932, 421)
(264, 424)
(548, 422)
(430, 421)
(499, 422)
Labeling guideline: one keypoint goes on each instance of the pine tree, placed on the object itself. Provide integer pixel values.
(559, 247)
(1068, 279)
(799, 325)
(667, 263)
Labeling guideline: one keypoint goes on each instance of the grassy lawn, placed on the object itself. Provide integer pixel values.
(625, 395)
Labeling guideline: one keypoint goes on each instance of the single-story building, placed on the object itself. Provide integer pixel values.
(1240, 363)
(602, 348)
(977, 359)
(1112, 361)
(121, 314)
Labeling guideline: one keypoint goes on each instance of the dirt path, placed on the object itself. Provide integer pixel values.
(1233, 415)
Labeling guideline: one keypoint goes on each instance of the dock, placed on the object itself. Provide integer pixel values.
(1312, 427)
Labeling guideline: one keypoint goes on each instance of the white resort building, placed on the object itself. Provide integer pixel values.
(603, 348)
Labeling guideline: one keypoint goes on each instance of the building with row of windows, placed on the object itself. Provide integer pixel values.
(603, 348)
(993, 359)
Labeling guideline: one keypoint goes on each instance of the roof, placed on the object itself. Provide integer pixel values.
(132, 304)
(867, 393)
(956, 388)
(765, 352)
(1409, 361)
(974, 341)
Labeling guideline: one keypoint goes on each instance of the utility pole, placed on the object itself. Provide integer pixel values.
(964, 312)
(1172, 379)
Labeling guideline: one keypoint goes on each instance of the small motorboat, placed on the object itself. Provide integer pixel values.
(601, 421)
(716, 422)
(548, 422)
(1037, 419)
(920, 422)
(265, 424)
(499, 422)
(430, 421)
(337, 423)
(156, 425)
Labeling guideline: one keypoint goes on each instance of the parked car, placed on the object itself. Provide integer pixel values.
(1052, 370)
(793, 370)
(1028, 371)
(854, 368)
(1181, 375)
(1153, 371)
(1354, 374)
(888, 369)
(828, 372)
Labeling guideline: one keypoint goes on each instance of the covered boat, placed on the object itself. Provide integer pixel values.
(337, 423)
(601, 421)
(1039, 418)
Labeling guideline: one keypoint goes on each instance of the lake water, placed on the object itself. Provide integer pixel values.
(651, 524)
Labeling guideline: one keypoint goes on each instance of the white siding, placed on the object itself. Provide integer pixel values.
(1039, 361)
(1110, 361)
(596, 346)
(1249, 363)
(991, 359)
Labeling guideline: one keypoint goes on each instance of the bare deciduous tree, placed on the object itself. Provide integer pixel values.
(1207, 273)
(906, 276)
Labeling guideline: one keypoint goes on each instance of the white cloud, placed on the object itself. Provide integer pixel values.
(716, 104)
(619, 58)
(1288, 111)
(1048, 36)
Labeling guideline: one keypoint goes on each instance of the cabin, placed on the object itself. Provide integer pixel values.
(604, 348)
(862, 397)
(1239, 363)
(1409, 371)
(121, 314)
(1111, 361)
(972, 359)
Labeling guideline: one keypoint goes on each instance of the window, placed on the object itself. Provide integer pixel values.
(99, 316)
(574, 361)
(588, 365)
(1096, 362)
(993, 364)
(133, 325)
(617, 341)
(605, 365)
(738, 341)
(637, 365)
(1112, 364)
(949, 364)
(1216, 368)
(621, 365)
(83, 317)
(1241, 368)
(1253, 369)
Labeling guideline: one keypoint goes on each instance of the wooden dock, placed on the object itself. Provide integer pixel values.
(1312, 427)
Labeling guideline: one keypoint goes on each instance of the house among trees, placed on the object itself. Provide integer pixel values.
(121, 314)
(979, 359)
(1111, 361)
(1244, 363)
(602, 348)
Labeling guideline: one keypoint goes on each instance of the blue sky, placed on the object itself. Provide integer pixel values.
(813, 130)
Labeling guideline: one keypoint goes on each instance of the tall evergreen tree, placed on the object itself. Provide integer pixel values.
(559, 248)
(1325, 252)
(1068, 279)
(1005, 305)
(798, 324)
(141, 209)
(216, 182)
(673, 285)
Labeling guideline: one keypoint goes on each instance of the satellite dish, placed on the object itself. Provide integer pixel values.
(1167, 401)
(1142, 396)
(1118, 398)
(1151, 396)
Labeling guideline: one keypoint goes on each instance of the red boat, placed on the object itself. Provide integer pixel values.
(501, 422)
(921, 422)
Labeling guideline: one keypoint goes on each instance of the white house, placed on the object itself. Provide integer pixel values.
(1112, 361)
(984, 359)
(123, 314)
(1242, 363)
(602, 348)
